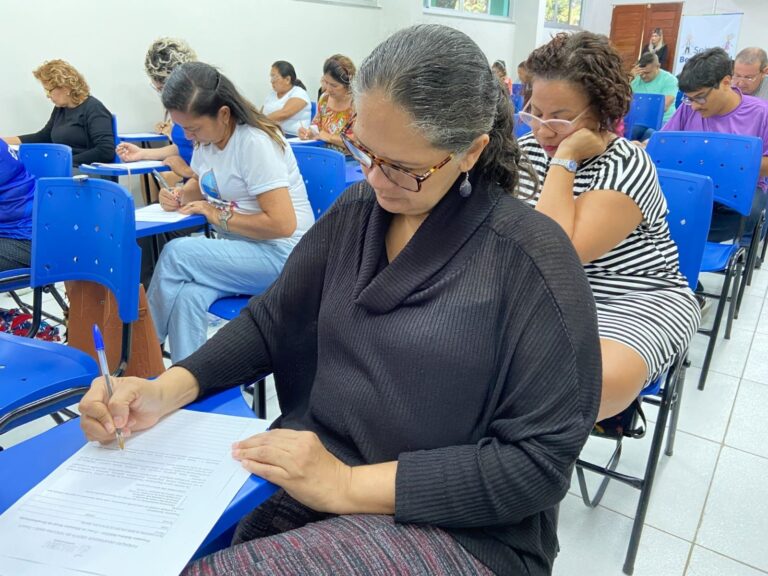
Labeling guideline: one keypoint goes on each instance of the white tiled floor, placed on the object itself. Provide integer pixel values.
(709, 511)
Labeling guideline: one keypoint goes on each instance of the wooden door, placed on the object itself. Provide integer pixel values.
(627, 25)
(632, 24)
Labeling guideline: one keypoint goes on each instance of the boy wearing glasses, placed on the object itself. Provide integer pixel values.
(713, 103)
(749, 72)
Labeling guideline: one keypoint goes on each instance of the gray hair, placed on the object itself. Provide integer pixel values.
(442, 79)
(753, 55)
(164, 55)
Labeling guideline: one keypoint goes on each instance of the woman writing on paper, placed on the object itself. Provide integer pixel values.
(78, 119)
(433, 341)
(163, 56)
(334, 108)
(246, 184)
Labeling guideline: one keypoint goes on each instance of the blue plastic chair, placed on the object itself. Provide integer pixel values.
(47, 160)
(678, 99)
(689, 199)
(116, 159)
(83, 229)
(733, 164)
(645, 112)
(41, 161)
(324, 173)
(313, 109)
(521, 128)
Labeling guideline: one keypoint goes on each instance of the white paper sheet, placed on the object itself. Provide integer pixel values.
(130, 165)
(140, 135)
(297, 140)
(155, 213)
(143, 510)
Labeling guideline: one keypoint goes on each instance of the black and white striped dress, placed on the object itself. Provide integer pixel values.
(642, 299)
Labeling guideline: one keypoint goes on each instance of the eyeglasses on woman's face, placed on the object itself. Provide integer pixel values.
(700, 98)
(556, 125)
(398, 175)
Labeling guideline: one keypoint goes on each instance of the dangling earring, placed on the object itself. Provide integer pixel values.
(465, 188)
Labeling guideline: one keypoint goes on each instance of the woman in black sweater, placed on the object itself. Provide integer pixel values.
(434, 345)
(78, 119)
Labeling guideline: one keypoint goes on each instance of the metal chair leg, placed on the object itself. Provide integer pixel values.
(674, 410)
(716, 325)
(737, 279)
(650, 475)
(259, 405)
(613, 462)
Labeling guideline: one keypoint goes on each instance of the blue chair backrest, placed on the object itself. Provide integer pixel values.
(117, 139)
(521, 128)
(689, 200)
(84, 229)
(733, 162)
(46, 160)
(646, 109)
(324, 175)
(678, 99)
(314, 108)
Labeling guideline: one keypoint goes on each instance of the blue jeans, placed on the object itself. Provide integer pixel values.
(194, 272)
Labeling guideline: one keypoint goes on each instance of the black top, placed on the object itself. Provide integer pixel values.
(661, 54)
(86, 128)
(472, 359)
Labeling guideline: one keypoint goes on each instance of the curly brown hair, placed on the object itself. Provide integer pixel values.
(589, 61)
(61, 74)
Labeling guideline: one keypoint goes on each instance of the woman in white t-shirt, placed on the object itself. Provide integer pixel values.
(247, 185)
(288, 104)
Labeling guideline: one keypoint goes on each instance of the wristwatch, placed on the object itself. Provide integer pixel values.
(570, 165)
(224, 215)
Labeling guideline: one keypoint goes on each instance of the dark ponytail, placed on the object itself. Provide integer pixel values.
(199, 89)
(286, 70)
(502, 158)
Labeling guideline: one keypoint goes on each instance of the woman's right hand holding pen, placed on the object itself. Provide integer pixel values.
(129, 152)
(136, 403)
(170, 200)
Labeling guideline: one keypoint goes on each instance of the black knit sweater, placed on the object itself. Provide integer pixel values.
(86, 128)
(472, 359)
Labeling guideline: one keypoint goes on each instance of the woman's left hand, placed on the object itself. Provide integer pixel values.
(299, 463)
(583, 144)
(203, 207)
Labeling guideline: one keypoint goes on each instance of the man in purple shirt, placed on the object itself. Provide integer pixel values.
(713, 104)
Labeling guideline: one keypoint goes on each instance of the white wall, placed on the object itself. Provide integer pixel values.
(597, 16)
(107, 40)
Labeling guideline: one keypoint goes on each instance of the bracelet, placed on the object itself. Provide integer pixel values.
(225, 214)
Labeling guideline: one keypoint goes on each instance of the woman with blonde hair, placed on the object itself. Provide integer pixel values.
(163, 56)
(656, 46)
(335, 108)
(78, 119)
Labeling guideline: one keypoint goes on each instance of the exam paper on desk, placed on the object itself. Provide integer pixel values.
(144, 510)
(155, 213)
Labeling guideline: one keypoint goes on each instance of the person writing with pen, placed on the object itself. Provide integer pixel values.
(162, 57)
(433, 340)
(247, 185)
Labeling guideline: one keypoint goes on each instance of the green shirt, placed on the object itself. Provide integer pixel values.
(664, 83)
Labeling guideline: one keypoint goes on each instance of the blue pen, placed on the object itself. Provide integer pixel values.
(98, 343)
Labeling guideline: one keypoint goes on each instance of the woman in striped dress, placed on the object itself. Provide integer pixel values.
(605, 194)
